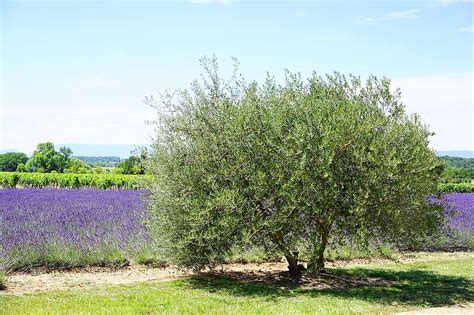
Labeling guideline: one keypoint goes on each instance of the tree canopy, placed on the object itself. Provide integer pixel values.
(457, 170)
(285, 165)
(458, 162)
(135, 164)
(46, 159)
(9, 161)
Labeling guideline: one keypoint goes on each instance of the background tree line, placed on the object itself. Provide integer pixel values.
(457, 170)
(46, 159)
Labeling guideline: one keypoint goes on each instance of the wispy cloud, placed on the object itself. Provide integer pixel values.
(469, 29)
(392, 16)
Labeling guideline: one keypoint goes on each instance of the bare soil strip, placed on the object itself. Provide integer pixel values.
(266, 273)
(269, 273)
(20, 283)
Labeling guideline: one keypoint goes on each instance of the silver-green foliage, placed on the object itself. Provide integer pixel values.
(279, 165)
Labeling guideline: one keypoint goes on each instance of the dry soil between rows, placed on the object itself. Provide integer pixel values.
(50, 279)
(272, 273)
(20, 283)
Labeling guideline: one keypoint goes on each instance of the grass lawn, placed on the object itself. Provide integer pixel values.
(428, 282)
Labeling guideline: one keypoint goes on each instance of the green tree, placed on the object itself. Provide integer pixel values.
(283, 165)
(21, 168)
(458, 162)
(46, 159)
(135, 164)
(10, 161)
(457, 175)
(76, 166)
(457, 170)
(142, 154)
(128, 166)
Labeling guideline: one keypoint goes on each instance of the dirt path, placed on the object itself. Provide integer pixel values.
(273, 273)
(19, 283)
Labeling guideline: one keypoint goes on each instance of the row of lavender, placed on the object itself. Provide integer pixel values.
(458, 232)
(104, 227)
(71, 227)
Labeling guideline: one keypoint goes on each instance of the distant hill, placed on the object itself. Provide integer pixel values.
(7, 150)
(104, 161)
(123, 150)
(105, 150)
(462, 154)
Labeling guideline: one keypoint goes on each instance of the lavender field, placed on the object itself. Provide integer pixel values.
(73, 227)
(461, 212)
(459, 228)
(68, 227)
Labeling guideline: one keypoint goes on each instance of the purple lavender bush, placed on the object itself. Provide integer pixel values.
(458, 231)
(71, 227)
(460, 214)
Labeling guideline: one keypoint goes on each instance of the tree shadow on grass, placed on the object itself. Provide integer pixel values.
(413, 287)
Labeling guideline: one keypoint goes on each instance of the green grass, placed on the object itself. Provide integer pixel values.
(432, 281)
(349, 252)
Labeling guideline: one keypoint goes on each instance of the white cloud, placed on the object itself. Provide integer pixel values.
(445, 103)
(469, 29)
(392, 16)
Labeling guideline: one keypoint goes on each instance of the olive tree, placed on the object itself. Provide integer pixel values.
(280, 165)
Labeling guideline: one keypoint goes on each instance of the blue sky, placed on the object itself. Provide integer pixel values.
(78, 71)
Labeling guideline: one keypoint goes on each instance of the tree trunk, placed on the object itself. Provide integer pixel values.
(293, 266)
(317, 260)
(321, 249)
